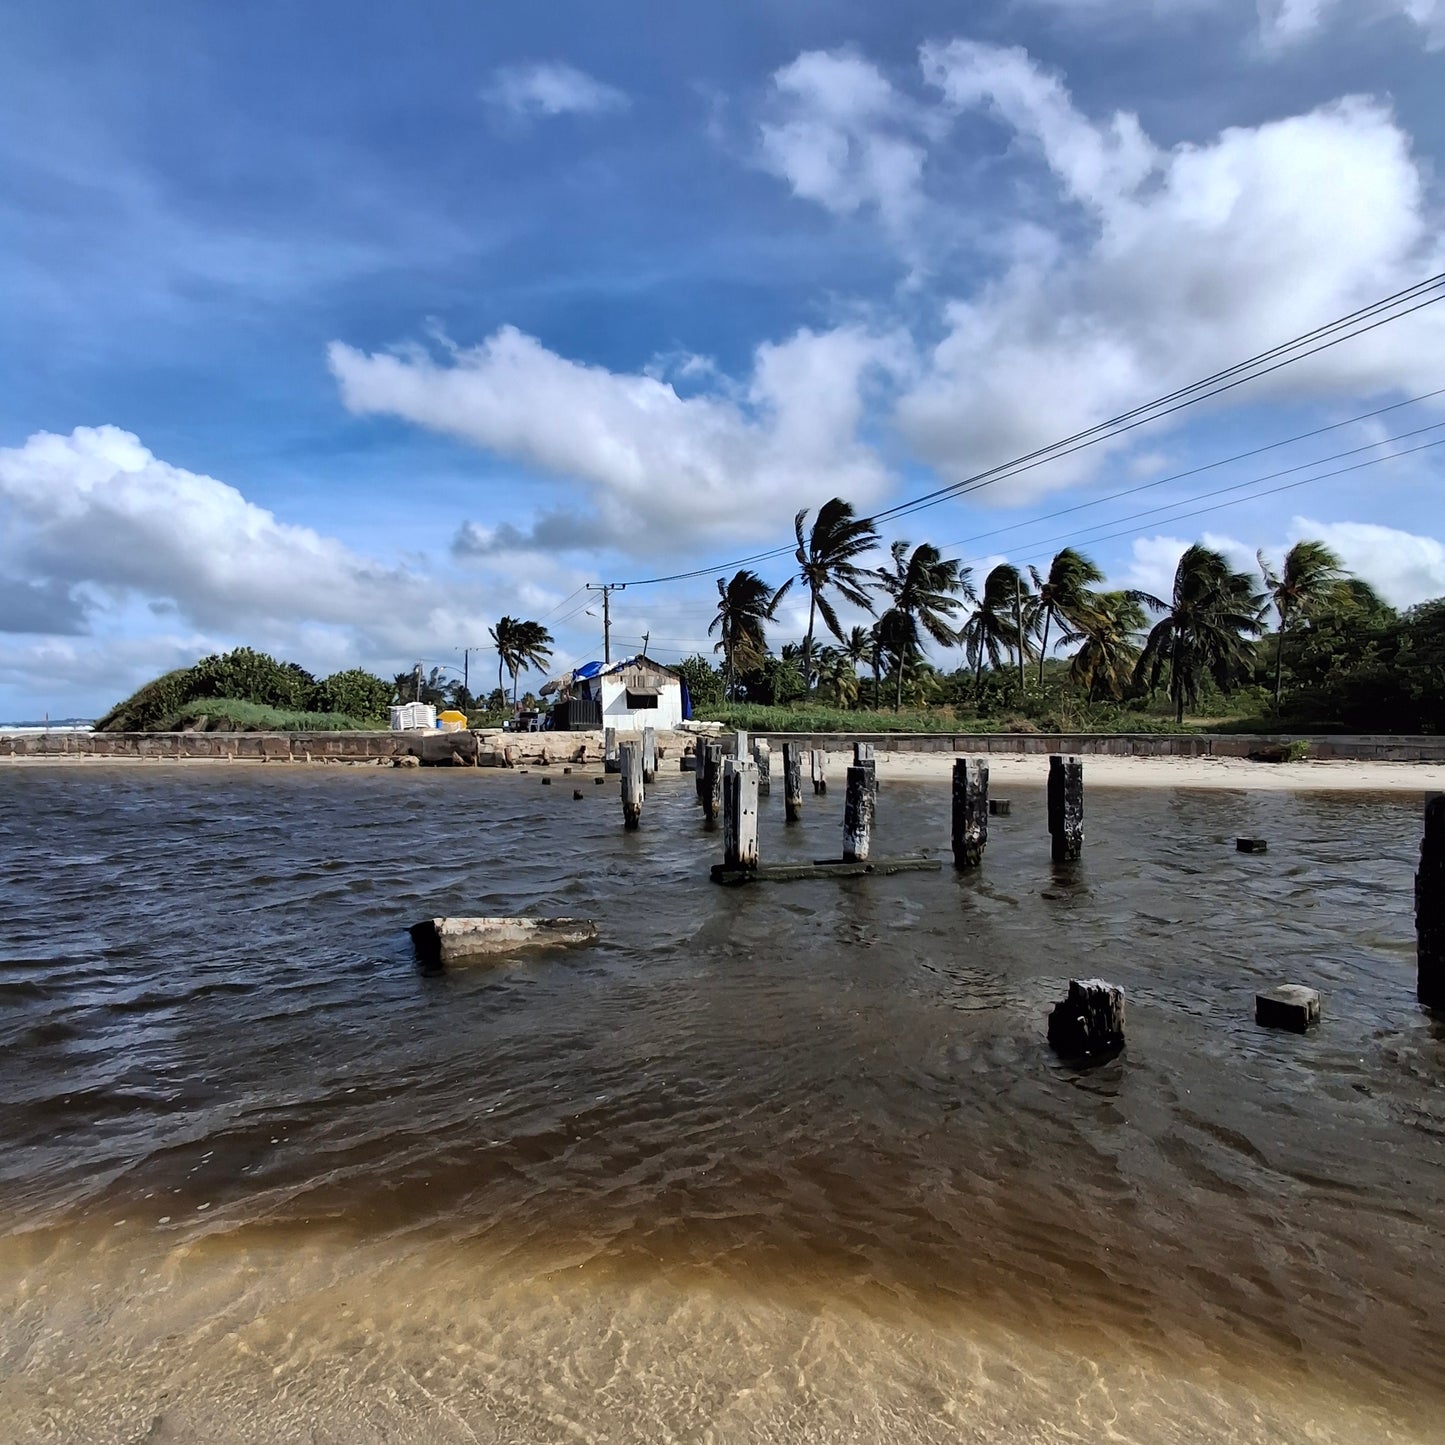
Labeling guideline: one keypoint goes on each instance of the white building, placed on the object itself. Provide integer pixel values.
(634, 694)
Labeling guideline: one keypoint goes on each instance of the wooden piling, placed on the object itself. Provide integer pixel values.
(610, 761)
(763, 757)
(1430, 907)
(818, 761)
(740, 814)
(858, 815)
(970, 811)
(864, 757)
(793, 780)
(699, 765)
(711, 783)
(1066, 807)
(630, 764)
(649, 754)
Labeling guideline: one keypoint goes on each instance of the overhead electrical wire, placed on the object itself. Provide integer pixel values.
(1354, 324)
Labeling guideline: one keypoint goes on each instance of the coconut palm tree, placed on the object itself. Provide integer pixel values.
(745, 603)
(504, 639)
(1311, 575)
(1063, 595)
(837, 677)
(520, 645)
(993, 631)
(1210, 613)
(1109, 631)
(926, 592)
(827, 562)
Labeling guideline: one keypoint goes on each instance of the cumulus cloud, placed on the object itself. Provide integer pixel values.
(1403, 567)
(657, 467)
(1284, 23)
(1194, 257)
(841, 135)
(551, 88)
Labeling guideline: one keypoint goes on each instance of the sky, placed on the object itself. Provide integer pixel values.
(341, 329)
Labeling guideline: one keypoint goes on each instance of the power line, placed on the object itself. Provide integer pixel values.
(1219, 382)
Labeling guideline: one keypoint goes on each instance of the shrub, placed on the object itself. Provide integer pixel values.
(251, 676)
(234, 715)
(355, 693)
(148, 707)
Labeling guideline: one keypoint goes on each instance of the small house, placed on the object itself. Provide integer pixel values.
(630, 695)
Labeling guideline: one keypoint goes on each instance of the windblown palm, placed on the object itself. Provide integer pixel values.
(1210, 613)
(1063, 595)
(1109, 631)
(827, 561)
(744, 604)
(837, 677)
(993, 631)
(926, 592)
(520, 645)
(1311, 575)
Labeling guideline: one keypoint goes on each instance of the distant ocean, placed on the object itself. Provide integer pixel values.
(56, 725)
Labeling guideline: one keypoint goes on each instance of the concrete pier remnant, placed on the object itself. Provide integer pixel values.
(1430, 907)
(970, 811)
(1251, 845)
(632, 790)
(1000, 807)
(711, 783)
(740, 813)
(1089, 1024)
(1066, 807)
(793, 780)
(649, 754)
(1287, 1006)
(818, 759)
(858, 807)
(611, 762)
(447, 942)
(763, 757)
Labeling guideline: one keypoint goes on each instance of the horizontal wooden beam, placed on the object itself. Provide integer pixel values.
(823, 868)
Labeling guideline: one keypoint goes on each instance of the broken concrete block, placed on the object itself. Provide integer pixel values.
(445, 942)
(1251, 845)
(1289, 1006)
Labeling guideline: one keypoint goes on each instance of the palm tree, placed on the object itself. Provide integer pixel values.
(744, 604)
(1109, 630)
(1210, 613)
(995, 626)
(1063, 595)
(504, 639)
(1311, 575)
(926, 593)
(875, 657)
(837, 676)
(826, 561)
(520, 645)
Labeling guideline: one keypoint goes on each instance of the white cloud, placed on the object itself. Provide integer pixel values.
(1284, 23)
(1403, 567)
(842, 136)
(1194, 258)
(657, 467)
(551, 88)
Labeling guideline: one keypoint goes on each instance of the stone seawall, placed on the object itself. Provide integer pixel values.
(494, 748)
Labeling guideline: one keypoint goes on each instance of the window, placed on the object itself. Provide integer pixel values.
(640, 701)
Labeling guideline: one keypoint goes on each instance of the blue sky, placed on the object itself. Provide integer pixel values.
(341, 329)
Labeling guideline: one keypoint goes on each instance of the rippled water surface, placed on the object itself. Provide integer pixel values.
(779, 1163)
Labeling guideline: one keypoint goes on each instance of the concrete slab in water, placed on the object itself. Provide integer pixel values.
(445, 942)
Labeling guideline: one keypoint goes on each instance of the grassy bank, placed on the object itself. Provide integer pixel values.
(228, 715)
(813, 719)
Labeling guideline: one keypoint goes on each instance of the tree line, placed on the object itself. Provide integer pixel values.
(1210, 634)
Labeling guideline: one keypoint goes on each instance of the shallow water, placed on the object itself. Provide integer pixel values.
(785, 1162)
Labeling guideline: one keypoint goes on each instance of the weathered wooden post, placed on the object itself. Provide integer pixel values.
(649, 754)
(864, 757)
(763, 757)
(711, 783)
(699, 765)
(630, 765)
(610, 761)
(1066, 807)
(740, 813)
(970, 811)
(858, 815)
(1089, 1024)
(819, 767)
(1430, 907)
(793, 780)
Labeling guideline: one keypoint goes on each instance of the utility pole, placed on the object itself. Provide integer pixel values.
(466, 653)
(606, 589)
(646, 638)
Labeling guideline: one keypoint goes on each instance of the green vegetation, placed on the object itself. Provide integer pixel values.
(249, 691)
(229, 715)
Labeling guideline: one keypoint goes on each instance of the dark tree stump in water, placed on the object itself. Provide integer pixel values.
(1089, 1023)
